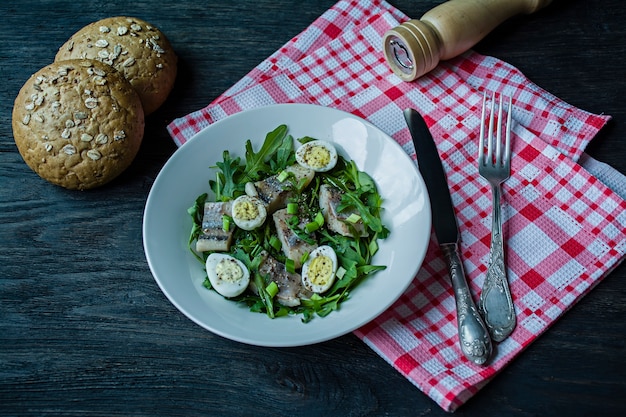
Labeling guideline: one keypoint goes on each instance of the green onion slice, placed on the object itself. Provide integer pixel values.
(282, 176)
(292, 208)
(226, 222)
(272, 289)
(353, 218)
(290, 265)
(311, 227)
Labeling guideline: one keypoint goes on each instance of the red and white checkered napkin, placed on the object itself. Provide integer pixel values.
(564, 229)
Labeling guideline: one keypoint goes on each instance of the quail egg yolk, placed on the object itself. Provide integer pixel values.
(228, 271)
(228, 276)
(248, 212)
(317, 156)
(318, 272)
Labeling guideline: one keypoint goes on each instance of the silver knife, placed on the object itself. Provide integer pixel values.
(473, 335)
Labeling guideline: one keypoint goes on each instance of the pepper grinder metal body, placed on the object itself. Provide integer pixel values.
(416, 47)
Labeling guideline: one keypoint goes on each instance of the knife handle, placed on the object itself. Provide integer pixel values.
(416, 47)
(473, 335)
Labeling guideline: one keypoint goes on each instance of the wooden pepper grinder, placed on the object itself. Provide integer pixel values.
(416, 47)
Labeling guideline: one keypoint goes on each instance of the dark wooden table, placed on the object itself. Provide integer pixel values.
(84, 329)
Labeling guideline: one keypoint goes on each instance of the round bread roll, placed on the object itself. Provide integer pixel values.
(135, 48)
(78, 123)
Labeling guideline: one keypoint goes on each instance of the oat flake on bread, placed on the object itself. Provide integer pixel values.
(136, 48)
(78, 123)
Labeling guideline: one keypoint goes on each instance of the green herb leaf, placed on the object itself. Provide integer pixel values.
(285, 155)
(196, 212)
(268, 301)
(257, 162)
(226, 186)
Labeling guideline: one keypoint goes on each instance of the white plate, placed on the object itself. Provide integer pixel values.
(186, 175)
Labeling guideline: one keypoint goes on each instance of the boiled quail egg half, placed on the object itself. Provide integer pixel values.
(318, 272)
(318, 155)
(248, 212)
(228, 275)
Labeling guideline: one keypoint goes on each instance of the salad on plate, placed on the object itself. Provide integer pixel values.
(289, 230)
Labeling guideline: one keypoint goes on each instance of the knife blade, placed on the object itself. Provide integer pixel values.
(473, 335)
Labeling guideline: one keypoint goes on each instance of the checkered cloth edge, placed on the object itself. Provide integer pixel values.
(564, 229)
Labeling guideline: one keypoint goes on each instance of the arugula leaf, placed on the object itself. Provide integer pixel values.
(370, 269)
(226, 187)
(285, 155)
(369, 219)
(275, 153)
(257, 162)
(267, 300)
(196, 212)
(322, 306)
(306, 139)
(360, 194)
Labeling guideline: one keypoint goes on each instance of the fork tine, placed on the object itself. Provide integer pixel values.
(481, 138)
(490, 132)
(507, 145)
(498, 159)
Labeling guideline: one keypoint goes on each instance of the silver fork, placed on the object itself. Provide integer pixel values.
(496, 304)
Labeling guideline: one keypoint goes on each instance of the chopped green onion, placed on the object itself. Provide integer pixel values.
(282, 176)
(226, 222)
(275, 242)
(353, 218)
(317, 222)
(292, 208)
(290, 265)
(341, 271)
(272, 289)
(311, 227)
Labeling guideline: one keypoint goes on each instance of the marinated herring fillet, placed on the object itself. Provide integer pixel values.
(274, 193)
(213, 237)
(329, 198)
(293, 247)
(290, 289)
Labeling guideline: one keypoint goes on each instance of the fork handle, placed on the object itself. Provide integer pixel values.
(473, 335)
(496, 303)
(415, 47)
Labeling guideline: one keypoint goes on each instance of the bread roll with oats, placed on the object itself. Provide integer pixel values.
(78, 123)
(134, 47)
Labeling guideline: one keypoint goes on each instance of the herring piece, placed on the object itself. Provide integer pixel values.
(290, 289)
(213, 237)
(329, 198)
(274, 193)
(293, 247)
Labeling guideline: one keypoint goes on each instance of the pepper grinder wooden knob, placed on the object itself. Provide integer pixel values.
(416, 47)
